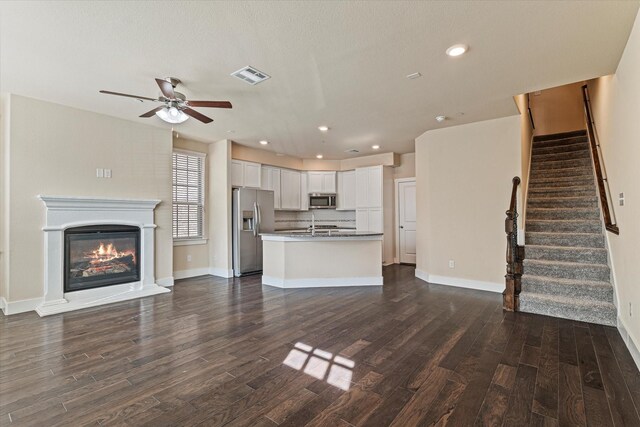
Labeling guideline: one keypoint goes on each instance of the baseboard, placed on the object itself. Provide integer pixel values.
(3, 304)
(166, 281)
(184, 274)
(634, 348)
(22, 306)
(221, 272)
(460, 283)
(322, 283)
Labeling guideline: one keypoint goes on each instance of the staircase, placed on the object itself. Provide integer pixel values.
(566, 273)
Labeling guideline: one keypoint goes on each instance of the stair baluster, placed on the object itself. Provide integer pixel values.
(515, 254)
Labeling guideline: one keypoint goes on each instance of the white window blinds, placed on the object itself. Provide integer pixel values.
(188, 195)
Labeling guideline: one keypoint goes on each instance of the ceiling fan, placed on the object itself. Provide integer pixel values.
(176, 108)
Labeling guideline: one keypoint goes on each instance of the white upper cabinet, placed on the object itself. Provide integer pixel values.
(290, 190)
(369, 187)
(321, 182)
(245, 174)
(346, 191)
(271, 181)
(304, 196)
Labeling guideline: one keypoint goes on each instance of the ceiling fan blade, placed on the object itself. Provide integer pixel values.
(107, 92)
(197, 116)
(166, 88)
(210, 104)
(152, 112)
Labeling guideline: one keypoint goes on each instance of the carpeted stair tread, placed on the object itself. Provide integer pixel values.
(569, 307)
(564, 225)
(560, 172)
(589, 240)
(567, 270)
(562, 135)
(562, 164)
(598, 290)
(560, 142)
(562, 213)
(564, 148)
(568, 155)
(568, 254)
(562, 201)
(569, 181)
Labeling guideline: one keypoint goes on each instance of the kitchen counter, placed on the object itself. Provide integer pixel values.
(302, 260)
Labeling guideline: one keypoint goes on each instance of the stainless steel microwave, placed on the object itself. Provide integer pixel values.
(322, 201)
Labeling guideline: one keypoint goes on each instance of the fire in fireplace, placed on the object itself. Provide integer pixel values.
(101, 255)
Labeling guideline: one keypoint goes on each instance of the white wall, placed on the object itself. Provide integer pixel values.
(616, 103)
(55, 150)
(219, 205)
(463, 179)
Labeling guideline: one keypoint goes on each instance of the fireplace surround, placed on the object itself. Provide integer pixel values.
(75, 218)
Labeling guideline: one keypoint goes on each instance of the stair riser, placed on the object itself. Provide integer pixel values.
(583, 314)
(599, 293)
(567, 155)
(581, 272)
(571, 181)
(562, 214)
(562, 192)
(588, 256)
(566, 148)
(559, 173)
(560, 142)
(560, 164)
(566, 239)
(551, 202)
(565, 227)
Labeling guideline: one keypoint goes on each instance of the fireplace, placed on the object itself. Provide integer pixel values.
(101, 255)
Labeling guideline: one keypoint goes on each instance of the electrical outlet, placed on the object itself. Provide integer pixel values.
(452, 264)
(107, 173)
(188, 258)
(621, 199)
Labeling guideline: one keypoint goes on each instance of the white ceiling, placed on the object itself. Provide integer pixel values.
(342, 64)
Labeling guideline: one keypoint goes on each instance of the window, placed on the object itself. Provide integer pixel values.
(188, 195)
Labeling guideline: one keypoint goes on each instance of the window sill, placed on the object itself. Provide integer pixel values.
(187, 242)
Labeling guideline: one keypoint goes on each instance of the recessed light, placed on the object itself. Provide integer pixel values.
(457, 49)
(375, 147)
(413, 76)
(264, 142)
(319, 156)
(323, 128)
(441, 119)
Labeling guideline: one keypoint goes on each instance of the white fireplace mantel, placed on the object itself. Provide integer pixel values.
(66, 212)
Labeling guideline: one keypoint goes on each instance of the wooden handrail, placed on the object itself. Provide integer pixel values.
(609, 222)
(515, 253)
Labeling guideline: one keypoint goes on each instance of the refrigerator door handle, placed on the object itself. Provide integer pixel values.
(255, 219)
(259, 218)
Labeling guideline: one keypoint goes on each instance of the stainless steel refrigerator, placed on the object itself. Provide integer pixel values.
(253, 213)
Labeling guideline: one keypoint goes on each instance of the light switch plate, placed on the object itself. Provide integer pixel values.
(107, 173)
(452, 264)
(99, 173)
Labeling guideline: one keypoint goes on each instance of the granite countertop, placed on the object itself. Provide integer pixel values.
(322, 233)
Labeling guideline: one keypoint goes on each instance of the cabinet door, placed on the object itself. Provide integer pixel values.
(237, 173)
(314, 184)
(266, 182)
(362, 186)
(375, 220)
(290, 190)
(374, 190)
(252, 175)
(349, 190)
(275, 186)
(362, 220)
(329, 182)
(304, 195)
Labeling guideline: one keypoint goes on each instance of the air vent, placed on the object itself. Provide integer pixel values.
(352, 150)
(251, 75)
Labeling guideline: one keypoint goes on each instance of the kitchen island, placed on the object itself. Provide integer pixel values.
(323, 259)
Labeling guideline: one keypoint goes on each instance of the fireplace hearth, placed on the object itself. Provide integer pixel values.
(102, 255)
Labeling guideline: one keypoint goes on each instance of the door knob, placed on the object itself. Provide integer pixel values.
(402, 226)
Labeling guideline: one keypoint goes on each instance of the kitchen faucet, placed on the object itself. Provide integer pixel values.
(313, 224)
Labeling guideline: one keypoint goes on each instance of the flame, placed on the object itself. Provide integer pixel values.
(108, 252)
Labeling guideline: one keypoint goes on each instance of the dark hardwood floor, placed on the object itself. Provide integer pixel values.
(232, 352)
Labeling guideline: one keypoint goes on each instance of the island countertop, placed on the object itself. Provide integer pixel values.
(319, 235)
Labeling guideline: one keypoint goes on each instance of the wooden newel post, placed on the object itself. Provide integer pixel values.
(514, 254)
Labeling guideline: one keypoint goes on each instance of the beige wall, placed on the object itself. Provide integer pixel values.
(4, 195)
(220, 208)
(558, 109)
(199, 253)
(407, 168)
(241, 152)
(463, 178)
(526, 132)
(55, 150)
(616, 102)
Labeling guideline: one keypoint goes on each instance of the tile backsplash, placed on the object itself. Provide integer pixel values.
(290, 219)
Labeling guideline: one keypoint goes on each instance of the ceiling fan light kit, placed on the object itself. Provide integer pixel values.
(176, 109)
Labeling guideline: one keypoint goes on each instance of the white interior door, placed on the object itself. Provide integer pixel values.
(407, 221)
